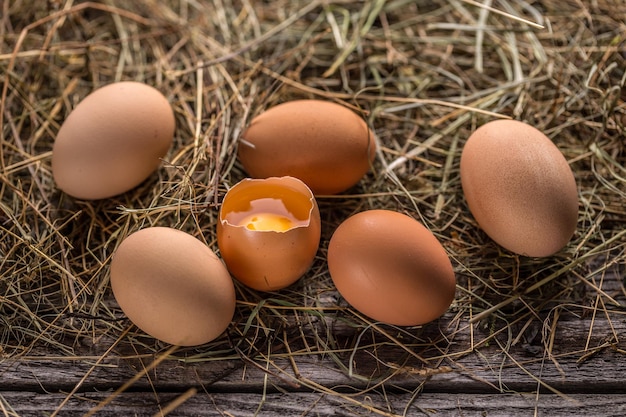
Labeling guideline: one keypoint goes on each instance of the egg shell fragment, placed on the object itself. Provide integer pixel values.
(519, 188)
(325, 144)
(172, 286)
(112, 141)
(268, 260)
(391, 268)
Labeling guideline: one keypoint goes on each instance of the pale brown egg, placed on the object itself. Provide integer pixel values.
(326, 145)
(268, 231)
(172, 286)
(519, 188)
(391, 268)
(112, 141)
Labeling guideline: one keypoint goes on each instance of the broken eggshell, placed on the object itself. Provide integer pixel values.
(268, 231)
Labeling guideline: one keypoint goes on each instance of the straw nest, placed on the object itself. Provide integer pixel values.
(423, 74)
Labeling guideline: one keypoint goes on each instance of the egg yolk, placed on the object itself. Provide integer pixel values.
(267, 222)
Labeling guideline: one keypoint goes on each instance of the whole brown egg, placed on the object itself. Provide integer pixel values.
(519, 188)
(172, 286)
(324, 144)
(112, 141)
(391, 268)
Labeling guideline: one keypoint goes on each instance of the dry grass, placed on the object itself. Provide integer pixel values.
(423, 74)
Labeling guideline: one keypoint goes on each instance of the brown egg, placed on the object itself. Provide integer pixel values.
(172, 286)
(519, 188)
(268, 231)
(324, 144)
(112, 141)
(391, 268)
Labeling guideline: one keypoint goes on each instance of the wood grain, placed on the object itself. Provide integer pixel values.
(573, 359)
(312, 404)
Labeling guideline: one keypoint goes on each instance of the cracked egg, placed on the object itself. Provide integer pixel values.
(268, 231)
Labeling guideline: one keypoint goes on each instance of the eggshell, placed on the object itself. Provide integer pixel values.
(172, 286)
(391, 268)
(112, 141)
(269, 231)
(519, 188)
(326, 145)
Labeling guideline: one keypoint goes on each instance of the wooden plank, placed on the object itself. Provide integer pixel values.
(576, 364)
(312, 404)
(471, 374)
(469, 370)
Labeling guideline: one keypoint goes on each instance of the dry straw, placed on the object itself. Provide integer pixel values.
(423, 75)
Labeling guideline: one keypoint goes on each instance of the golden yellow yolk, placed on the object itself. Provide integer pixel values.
(267, 222)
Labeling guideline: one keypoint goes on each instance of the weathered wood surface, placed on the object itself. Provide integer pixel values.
(564, 359)
(572, 368)
(306, 404)
(578, 369)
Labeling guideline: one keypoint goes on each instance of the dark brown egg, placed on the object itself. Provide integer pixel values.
(391, 268)
(324, 144)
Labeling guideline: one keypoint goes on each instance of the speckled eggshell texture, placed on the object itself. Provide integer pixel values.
(325, 144)
(391, 268)
(112, 141)
(172, 286)
(519, 188)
